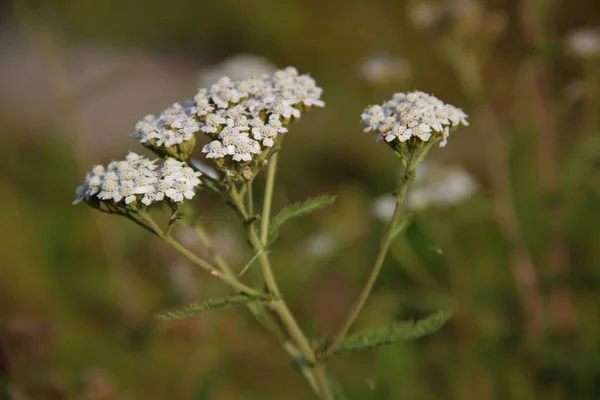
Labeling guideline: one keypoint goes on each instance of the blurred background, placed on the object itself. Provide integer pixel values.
(510, 246)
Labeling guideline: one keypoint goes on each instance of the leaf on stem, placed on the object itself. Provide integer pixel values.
(213, 304)
(298, 209)
(395, 332)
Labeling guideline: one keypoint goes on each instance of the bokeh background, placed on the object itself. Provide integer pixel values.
(518, 261)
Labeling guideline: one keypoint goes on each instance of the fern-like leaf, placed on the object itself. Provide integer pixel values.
(297, 210)
(395, 332)
(212, 304)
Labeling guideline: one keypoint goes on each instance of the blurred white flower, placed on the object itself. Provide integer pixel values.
(383, 207)
(425, 15)
(435, 185)
(237, 67)
(320, 245)
(584, 42)
(382, 68)
(412, 115)
(439, 185)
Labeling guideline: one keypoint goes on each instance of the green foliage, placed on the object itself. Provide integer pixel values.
(212, 304)
(395, 332)
(298, 209)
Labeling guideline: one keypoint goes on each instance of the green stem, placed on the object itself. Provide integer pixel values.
(212, 250)
(250, 200)
(305, 351)
(385, 245)
(255, 309)
(278, 305)
(228, 280)
(267, 201)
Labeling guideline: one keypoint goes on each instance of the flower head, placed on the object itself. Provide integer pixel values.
(245, 118)
(137, 179)
(414, 116)
(177, 181)
(171, 133)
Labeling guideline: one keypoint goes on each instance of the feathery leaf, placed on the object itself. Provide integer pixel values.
(297, 210)
(212, 304)
(395, 332)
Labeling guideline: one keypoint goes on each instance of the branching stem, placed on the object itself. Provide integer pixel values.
(411, 164)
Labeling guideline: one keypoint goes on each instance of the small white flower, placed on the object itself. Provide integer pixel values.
(283, 108)
(584, 42)
(214, 149)
(414, 114)
(372, 117)
(173, 126)
(137, 178)
(212, 123)
(202, 103)
(249, 114)
(177, 181)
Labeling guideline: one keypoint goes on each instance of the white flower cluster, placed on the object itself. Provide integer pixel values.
(584, 42)
(412, 115)
(173, 126)
(137, 178)
(244, 117)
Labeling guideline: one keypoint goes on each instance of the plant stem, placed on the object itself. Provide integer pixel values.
(255, 309)
(212, 250)
(228, 280)
(385, 245)
(267, 200)
(281, 309)
(279, 305)
(250, 200)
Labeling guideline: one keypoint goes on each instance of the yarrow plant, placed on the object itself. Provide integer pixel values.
(244, 123)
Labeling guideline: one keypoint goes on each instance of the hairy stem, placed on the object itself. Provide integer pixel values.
(228, 280)
(316, 377)
(256, 309)
(279, 306)
(385, 245)
(267, 200)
